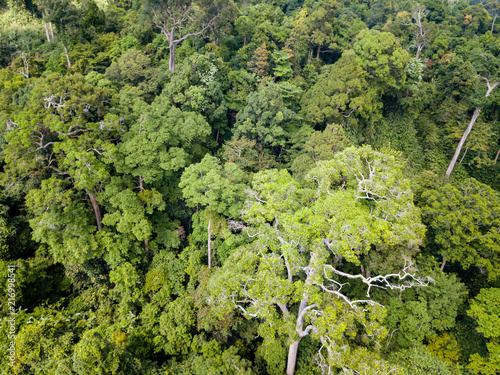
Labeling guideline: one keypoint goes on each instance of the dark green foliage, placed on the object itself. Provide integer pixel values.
(464, 223)
(269, 115)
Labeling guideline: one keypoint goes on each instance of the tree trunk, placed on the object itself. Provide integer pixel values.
(292, 358)
(419, 49)
(443, 263)
(46, 28)
(171, 45)
(462, 141)
(146, 247)
(493, 23)
(97, 210)
(317, 53)
(209, 243)
(67, 57)
(51, 30)
(171, 61)
(46, 32)
(292, 351)
(496, 157)
(463, 156)
(491, 87)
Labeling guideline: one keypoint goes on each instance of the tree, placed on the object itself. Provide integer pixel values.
(134, 68)
(327, 28)
(66, 18)
(163, 140)
(179, 20)
(324, 145)
(216, 187)
(259, 63)
(63, 139)
(320, 145)
(492, 84)
(244, 25)
(421, 314)
(418, 360)
(487, 66)
(341, 91)
(415, 21)
(322, 23)
(382, 58)
(283, 67)
(268, 114)
(485, 308)
(493, 8)
(198, 86)
(249, 157)
(464, 219)
(295, 274)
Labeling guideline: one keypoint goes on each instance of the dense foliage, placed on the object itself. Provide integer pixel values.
(243, 187)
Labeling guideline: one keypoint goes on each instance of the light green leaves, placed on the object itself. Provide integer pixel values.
(378, 186)
(288, 276)
(163, 140)
(382, 58)
(485, 308)
(215, 186)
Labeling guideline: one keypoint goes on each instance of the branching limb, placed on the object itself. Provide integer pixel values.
(383, 282)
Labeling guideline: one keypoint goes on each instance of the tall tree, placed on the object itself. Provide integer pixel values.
(493, 8)
(163, 140)
(485, 308)
(67, 19)
(415, 20)
(179, 20)
(464, 220)
(295, 274)
(216, 187)
(341, 94)
(63, 139)
(488, 66)
(382, 58)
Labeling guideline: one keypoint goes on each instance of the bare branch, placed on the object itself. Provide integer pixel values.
(382, 281)
(45, 145)
(11, 125)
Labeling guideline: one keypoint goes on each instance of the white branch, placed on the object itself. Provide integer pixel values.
(382, 281)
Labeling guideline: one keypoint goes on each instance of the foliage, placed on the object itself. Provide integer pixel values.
(485, 308)
(294, 144)
(298, 235)
(418, 360)
(464, 221)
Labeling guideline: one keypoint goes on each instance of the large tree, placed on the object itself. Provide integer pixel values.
(162, 140)
(488, 68)
(464, 221)
(59, 146)
(485, 308)
(216, 187)
(179, 20)
(416, 21)
(295, 275)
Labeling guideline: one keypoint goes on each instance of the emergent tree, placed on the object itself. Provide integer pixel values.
(294, 275)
